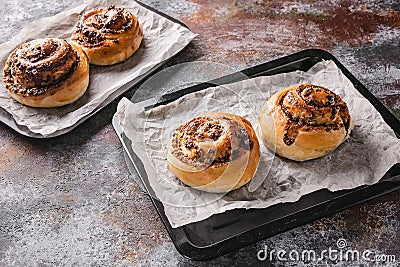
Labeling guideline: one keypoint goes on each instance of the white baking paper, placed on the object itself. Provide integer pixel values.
(162, 39)
(362, 159)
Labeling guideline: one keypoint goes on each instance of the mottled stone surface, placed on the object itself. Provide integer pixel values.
(71, 201)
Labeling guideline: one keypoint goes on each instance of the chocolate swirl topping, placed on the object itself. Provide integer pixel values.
(308, 107)
(38, 66)
(95, 25)
(205, 141)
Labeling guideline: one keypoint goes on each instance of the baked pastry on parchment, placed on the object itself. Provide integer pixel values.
(304, 122)
(46, 72)
(216, 152)
(108, 35)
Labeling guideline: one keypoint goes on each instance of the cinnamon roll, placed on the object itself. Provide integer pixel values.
(47, 72)
(304, 122)
(108, 35)
(216, 152)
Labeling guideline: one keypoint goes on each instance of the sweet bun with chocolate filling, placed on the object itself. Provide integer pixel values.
(47, 72)
(304, 122)
(216, 152)
(108, 35)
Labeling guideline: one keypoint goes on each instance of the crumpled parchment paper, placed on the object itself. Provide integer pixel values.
(362, 159)
(162, 39)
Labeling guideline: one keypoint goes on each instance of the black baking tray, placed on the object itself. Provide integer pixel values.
(231, 230)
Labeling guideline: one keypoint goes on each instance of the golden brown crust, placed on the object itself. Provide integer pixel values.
(216, 152)
(304, 122)
(47, 72)
(108, 35)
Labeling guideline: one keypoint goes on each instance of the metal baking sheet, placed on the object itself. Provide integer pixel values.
(231, 230)
(8, 120)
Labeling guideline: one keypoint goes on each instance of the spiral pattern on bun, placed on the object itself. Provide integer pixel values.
(216, 152)
(46, 72)
(108, 35)
(304, 121)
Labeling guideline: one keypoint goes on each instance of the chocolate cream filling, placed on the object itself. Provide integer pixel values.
(205, 141)
(94, 25)
(310, 107)
(38, 66)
